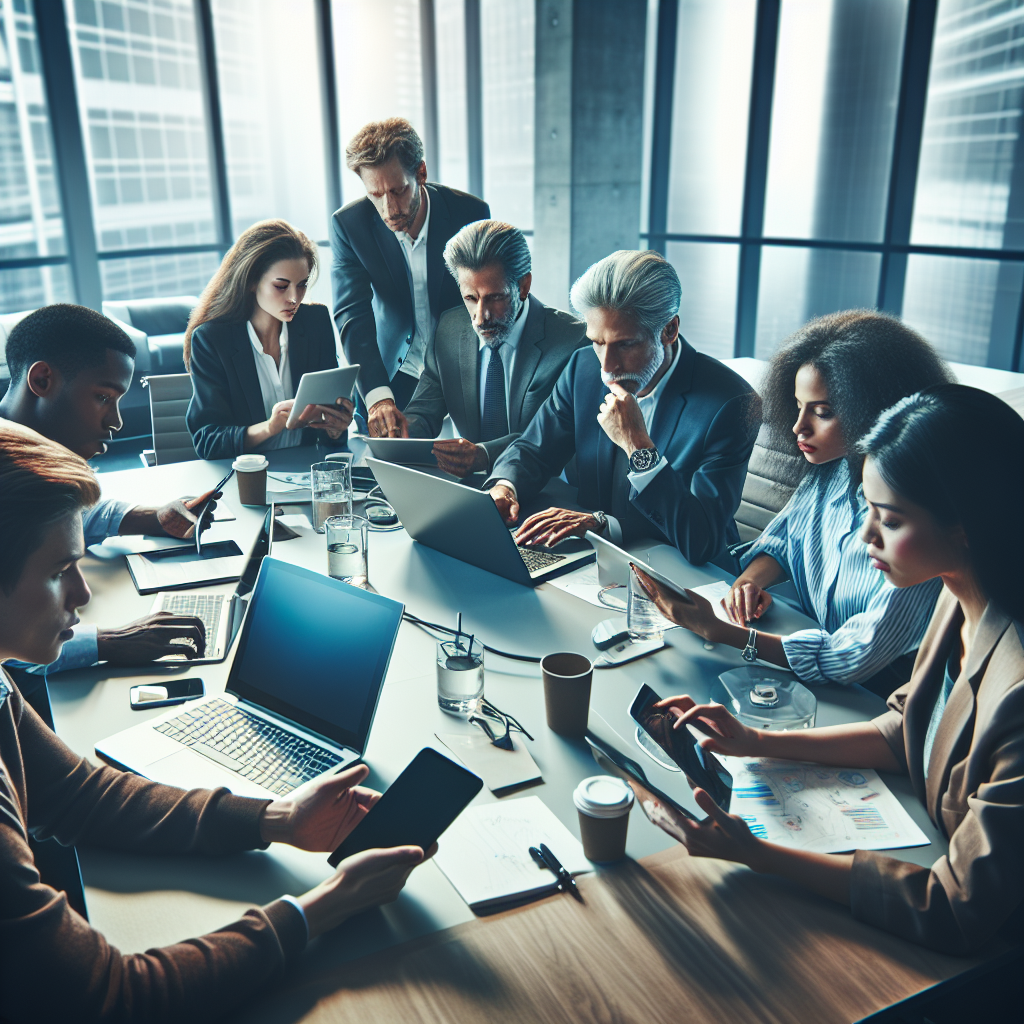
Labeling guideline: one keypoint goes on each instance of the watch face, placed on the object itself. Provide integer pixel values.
(642, 459)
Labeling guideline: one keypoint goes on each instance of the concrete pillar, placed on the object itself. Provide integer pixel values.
(589, 137)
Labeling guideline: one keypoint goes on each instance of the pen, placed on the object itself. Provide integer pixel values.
(565, 878)
(541, 862)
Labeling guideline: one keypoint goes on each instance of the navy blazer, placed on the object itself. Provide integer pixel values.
(372, 284)
(226, 396)
(702, 425)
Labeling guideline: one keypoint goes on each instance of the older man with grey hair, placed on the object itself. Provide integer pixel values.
(661, 433)
(495, 358)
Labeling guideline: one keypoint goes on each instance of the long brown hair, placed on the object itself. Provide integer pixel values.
(229, 295)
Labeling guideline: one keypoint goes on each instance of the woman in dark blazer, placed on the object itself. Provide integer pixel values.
(249, 341)
(944, 484)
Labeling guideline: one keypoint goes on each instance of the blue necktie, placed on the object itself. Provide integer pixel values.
(494, 421)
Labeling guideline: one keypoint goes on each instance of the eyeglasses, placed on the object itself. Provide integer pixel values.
(486, 714)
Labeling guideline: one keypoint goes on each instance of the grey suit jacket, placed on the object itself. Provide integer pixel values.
(974, 791)
(450, 382)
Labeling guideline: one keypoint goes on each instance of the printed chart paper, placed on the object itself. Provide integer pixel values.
(819, 808)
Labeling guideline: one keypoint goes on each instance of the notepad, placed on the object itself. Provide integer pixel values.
(485, 853)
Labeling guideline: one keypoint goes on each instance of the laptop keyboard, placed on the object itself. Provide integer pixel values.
(207, 607)
(256, 749)
(536, 560)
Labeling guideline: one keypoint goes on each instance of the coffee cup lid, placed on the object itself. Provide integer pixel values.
(249, 463)
(603, 796)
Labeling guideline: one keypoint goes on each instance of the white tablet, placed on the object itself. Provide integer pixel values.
(406, 451)
(322, 387)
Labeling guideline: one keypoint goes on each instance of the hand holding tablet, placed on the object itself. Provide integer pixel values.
(322, 387)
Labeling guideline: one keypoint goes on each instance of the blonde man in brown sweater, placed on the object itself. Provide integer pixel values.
(53, 965)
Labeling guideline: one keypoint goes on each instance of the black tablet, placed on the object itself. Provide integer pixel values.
(418, 806)
(700, 766)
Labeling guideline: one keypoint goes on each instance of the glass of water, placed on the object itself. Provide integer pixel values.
(460, 674)
(331, 486)
(643, 620)
(346, 549)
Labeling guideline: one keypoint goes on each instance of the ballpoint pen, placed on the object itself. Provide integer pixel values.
(568, 882)
(542, 863)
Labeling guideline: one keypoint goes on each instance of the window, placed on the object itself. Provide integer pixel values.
(270, 104)
(31, 226)
(143, 119)
(453, 129)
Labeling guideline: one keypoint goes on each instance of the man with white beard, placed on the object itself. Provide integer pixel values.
(661, 433)
(495, 358)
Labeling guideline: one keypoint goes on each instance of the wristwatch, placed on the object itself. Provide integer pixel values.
(643, 459)
(750, 651)
(602, 521)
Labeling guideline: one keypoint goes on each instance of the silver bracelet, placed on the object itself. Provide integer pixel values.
(750, 651)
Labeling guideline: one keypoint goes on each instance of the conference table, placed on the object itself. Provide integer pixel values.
(661, 935)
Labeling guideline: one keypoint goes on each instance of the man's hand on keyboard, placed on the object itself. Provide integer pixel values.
(555, 524)
(320, 814)
(152, 637)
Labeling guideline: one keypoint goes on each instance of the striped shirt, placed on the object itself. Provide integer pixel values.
(865, 623)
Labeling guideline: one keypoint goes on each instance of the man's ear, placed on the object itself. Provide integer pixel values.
(671, 331)
(524, 286)
(42, 379)
(421, 173)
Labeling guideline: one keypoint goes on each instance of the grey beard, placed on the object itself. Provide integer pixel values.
(645, 376)
(503, 328)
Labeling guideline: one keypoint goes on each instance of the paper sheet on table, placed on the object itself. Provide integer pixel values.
(714, 593)
(485, 853)
(499, 768)
(819, 808)
(581, 583)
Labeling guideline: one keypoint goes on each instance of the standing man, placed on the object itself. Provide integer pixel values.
(388, 274)
(661, 433)
(496, 357)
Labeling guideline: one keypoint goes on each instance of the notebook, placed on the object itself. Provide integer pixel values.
(485, 853)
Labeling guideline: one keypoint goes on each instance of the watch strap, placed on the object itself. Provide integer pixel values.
(750, 651)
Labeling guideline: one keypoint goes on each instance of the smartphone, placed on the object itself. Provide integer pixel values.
(165, 695)
(418, 806)
(202, 506)
(700, 766)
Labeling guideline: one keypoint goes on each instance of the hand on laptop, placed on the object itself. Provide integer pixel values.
(508, 505)
(385, 420)
(555, 524)
(460, 457)
(151, 637)
(320, 814)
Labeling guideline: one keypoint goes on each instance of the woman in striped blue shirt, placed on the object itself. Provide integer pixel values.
(823, 390)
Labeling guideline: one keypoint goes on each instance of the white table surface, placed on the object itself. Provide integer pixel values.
(143, 902)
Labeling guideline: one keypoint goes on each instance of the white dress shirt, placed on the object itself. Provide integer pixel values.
(275, 386)
(508, 349)
(415, 251)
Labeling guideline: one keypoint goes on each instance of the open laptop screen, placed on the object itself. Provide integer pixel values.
(315, 650)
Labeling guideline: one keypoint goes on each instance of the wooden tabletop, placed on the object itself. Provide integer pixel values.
(670, 938)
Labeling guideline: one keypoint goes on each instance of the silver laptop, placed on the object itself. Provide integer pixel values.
(300, 697)
(222, 614)
(465, 523)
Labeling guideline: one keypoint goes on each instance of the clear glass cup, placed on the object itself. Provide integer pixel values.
(643, 620)
(347, 538)
(331, 487)
(460, 674)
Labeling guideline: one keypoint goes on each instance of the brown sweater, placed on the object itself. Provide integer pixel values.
(53, 965)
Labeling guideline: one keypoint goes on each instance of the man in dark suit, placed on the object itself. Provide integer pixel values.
(495, 357)
(661, 433)
(389, 279)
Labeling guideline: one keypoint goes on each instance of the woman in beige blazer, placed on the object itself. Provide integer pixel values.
(944, 482)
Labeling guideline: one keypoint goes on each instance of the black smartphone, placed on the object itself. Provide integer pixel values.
(416, 808)
(202, 507)
(166, 694)
(700, 766)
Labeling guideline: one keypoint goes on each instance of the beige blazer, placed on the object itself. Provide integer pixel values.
(974, 793)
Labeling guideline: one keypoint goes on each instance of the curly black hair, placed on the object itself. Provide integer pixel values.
(868, 361)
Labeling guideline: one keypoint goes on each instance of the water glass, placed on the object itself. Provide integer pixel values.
(643, 620)
(331, 487)
(347, 538)
(460, 674)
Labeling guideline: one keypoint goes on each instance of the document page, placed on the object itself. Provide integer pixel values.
(485, 853)
(819, 808)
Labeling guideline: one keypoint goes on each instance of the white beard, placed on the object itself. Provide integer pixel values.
(645, 376)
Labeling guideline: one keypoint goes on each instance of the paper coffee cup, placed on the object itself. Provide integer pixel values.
(603, 803)
(251, 477)
(567, 678)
